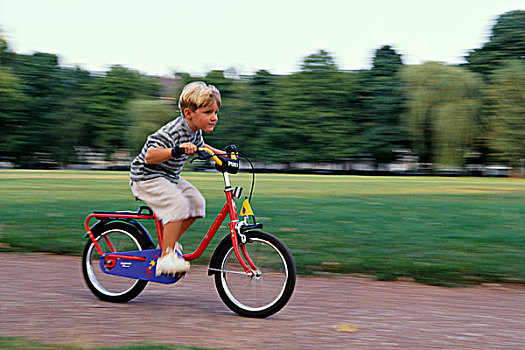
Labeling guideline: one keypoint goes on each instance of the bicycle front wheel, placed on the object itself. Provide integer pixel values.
(267, 292)
(113, 237)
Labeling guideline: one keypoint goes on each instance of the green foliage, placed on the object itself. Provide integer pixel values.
(235, 119)
(314, 117)
(4, 50)
(306, 116)
(443, 109)
(386, 62)
(12, 102)
(39, 80)
(106, 105)
(507, 41)
(319, 62)
(47, 110)
(146, 117)
(381, 131)
(506, 112)
(260, 125)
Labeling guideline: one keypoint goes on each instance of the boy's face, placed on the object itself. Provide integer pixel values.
(204, 118)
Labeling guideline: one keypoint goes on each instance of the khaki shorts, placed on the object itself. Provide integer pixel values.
(169, 201)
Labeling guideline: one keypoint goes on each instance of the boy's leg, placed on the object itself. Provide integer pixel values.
(170, 262)
(186, 225)
(170, 235)
(173, 231)
(169, 203)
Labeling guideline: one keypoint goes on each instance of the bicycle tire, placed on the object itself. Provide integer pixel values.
(116, 289)
(260, 296)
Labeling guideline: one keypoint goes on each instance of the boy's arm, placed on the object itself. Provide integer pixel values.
(158, 155)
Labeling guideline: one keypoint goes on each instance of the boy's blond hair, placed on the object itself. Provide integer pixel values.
(198, 94)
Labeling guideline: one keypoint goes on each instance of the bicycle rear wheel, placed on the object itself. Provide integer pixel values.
(122, 237)
(267, 292)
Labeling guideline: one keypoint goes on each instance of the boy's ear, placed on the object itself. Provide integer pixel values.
(186, 112)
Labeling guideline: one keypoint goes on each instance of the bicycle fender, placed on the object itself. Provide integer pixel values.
(141, 229)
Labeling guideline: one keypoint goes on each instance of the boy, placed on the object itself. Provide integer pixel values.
(155, 172)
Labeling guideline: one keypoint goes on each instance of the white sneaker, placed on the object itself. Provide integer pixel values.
(178, 248)
(171, 264)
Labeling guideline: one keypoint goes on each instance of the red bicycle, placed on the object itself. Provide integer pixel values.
(254, 271)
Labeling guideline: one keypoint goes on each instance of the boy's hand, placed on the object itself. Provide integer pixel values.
(189, 148)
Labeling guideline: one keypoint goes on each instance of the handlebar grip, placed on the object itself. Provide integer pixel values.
(209, 154)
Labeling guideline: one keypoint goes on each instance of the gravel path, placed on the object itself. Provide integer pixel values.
(43, 297)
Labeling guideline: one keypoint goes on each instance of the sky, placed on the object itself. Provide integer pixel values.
(161, 37)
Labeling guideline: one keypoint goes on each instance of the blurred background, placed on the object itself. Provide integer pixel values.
(393, 117)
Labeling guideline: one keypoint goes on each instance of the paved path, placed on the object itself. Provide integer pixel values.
(43, 297)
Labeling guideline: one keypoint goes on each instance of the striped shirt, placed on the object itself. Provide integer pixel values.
(170, 135)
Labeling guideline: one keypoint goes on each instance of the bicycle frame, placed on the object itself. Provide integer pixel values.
(228, 209)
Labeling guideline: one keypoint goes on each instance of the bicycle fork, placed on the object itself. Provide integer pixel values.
(239, 248)
(235, 232)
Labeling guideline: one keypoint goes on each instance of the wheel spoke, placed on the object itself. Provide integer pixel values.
(229, 271)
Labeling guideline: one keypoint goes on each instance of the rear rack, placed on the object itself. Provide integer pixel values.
(144, 213)
(144, 210)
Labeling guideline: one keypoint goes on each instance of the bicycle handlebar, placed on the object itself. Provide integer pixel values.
(230, 165)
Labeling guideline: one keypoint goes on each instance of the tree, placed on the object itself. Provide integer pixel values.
(235, 119)
(386, 62)
(107, 97)
(443, 110)
(4, 51)
(70, 115)
(12, 118)
(263, 100)
(319, 62)
(314, 115)
(507, 41)
(41, 82)
(506, 112)
(382, 104)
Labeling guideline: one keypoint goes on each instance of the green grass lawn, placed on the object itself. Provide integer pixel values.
(444, 231)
